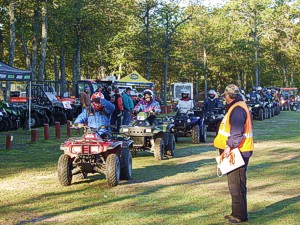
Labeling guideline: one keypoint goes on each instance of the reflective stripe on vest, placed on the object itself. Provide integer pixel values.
(224, 130)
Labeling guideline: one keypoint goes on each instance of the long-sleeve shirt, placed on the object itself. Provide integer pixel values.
(184, 105)
(237, 121)
(145, 106)
(127, 102)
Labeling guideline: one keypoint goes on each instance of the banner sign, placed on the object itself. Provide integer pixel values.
(15, 77)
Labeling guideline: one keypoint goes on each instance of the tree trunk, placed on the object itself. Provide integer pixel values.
(56, 71)
(1, 44)
(12, 32)
(77, 59)
(27, 54)
(35, 43)
(63, 72)
(74, 78)
(44, 40)
(147, 24)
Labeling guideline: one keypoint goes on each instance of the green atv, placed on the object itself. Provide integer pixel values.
(151, 134)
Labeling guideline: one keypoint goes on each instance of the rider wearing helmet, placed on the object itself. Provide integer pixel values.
(100, 118)
(211, 101)
(261, 93)
(253, 95)
(185, 103)
(148, 104)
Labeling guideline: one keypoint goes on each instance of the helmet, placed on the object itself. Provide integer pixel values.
(148, 91)
(86, 88)
(185, 91)
(253, 88)
(212, 94)
(259, 88)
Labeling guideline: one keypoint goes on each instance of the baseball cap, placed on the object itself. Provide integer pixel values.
(86, 88)
(231, 89)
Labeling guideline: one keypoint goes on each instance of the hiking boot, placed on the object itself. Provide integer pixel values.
(227, 217)
(236, 220)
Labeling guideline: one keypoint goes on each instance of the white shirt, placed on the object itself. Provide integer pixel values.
(184, 106)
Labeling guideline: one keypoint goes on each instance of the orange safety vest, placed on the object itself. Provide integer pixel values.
(224, 130)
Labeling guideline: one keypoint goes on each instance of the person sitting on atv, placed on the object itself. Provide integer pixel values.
(269, 96)
(253, 95)
(261, 94)
(148, 104)
(185, 103)
(99, 116)
(211, 101)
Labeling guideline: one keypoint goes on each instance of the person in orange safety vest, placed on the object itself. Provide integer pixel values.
(236, 131)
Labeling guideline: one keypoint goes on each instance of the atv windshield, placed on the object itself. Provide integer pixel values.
(51, 96)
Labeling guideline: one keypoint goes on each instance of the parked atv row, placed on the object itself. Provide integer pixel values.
(44, 108)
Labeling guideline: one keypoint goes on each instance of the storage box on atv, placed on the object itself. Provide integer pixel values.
(156, 138)
(190, 124)
(93, 154)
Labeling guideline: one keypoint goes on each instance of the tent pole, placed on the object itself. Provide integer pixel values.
(29, 106)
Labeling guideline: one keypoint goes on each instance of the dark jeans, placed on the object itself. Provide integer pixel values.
(237, 181)
(115, 121)
(126, 117)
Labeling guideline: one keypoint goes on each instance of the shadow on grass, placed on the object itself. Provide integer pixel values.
(277, 210)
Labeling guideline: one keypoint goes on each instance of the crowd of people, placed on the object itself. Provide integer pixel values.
(108, 109)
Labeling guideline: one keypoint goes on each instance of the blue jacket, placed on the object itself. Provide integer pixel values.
(127, 102)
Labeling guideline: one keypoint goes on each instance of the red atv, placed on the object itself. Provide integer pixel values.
(91, 153)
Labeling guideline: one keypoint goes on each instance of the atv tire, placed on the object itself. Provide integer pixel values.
(112, 170)
(60, 117)
(126, 164)
(159, 149)
(203, 135)
(44, 120)
(196, 134)
(170, 149)
(64, 170)
(34, 121)
(9, 123)
(3, 124)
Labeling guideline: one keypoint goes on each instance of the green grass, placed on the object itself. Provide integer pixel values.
(182, 190)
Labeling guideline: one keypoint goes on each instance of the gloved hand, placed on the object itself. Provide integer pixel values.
(152, 113)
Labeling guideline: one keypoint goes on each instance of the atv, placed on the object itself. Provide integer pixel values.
(213, 117)
(150, 134)
(5, 121)
(92, 153)
(257, 109)
(191, 124)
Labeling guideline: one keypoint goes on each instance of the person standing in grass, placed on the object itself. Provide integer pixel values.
(236, 131)
(127, 106)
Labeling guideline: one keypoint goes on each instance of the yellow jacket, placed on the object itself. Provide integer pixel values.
(224, 130)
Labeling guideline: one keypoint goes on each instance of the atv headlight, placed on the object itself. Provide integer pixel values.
(188, 120)
(148, 130)
(125, 129)
(257, 105)
(76, 149)
(94, 149)
(282, 101)
(172, 120)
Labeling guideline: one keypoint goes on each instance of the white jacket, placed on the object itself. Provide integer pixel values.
(184, 106)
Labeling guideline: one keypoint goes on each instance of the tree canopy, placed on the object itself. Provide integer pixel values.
(247, 42)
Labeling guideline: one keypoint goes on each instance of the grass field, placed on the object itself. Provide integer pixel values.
(182, 190)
